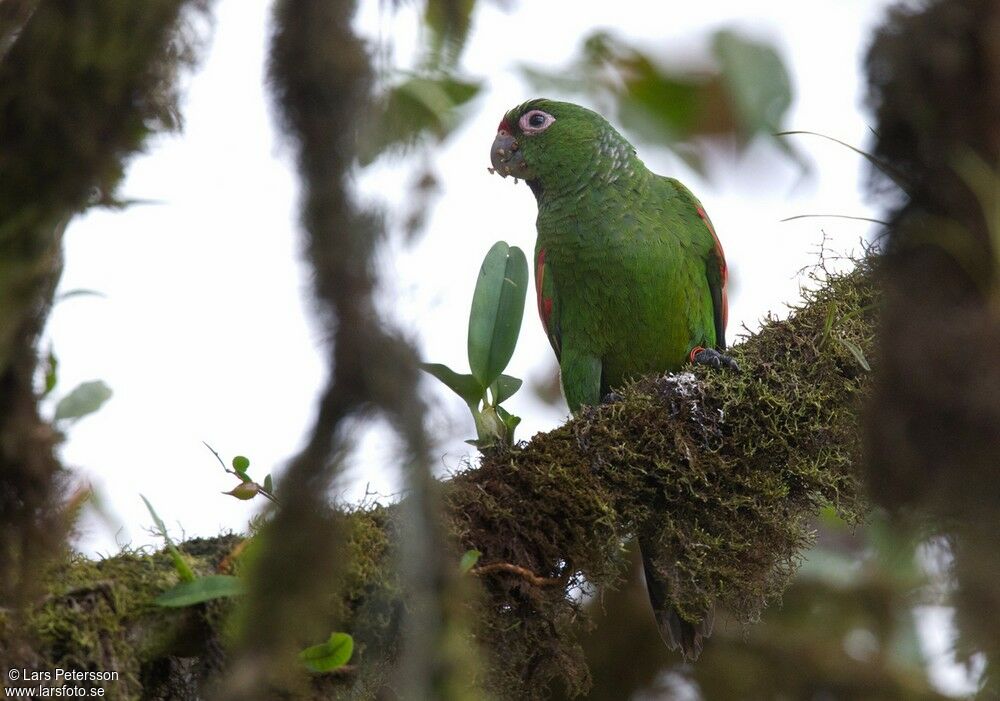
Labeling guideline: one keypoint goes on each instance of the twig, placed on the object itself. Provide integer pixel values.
(834, 216)
(518, 570)
(260, 488)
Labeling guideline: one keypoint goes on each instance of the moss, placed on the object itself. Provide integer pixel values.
(723, 470)
(100, 615)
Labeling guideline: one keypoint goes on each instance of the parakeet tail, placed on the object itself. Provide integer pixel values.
(676, 632)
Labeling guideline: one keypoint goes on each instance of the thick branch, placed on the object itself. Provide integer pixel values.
(725, 469)
(81, 87)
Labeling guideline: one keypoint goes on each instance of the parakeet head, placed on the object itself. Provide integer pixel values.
(550, 144)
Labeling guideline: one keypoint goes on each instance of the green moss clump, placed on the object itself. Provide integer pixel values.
(723, 471)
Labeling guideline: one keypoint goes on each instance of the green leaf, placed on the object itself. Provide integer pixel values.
(465, 386)
(328, 656)
(758, 82)
(417, 107)
(51, 372)
(180, 564)
(244, 490)
(449, 22)
(490, 427)
(497, 309)
(505, 387)
(241, 464)
(85, 399)
(858, 354)
(268, 485)
(510, 422)
(216, 586)
(469, 560)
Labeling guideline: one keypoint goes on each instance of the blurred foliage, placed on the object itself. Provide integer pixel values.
(745, 95)
(329, 655)
(84, 399)
(411, 110)
(845, 629)
(933, 426)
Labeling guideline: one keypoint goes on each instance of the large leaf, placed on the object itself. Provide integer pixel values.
(328, 656)
(497, 309)
(85, 399)
(465, 386)
(216, 586)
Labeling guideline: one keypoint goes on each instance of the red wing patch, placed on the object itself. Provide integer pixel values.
(544, 303)
(723, 271)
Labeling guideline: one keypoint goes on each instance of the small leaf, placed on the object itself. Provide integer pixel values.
(216, 586)
(180, 564)
(469, 560)
(51, 372)
(241, 464)
(85, 399)
(856, 352)
(505, 387)
(510, 422)
(328, 656)
(465, 386)
(268, 485)
(497, 311)
(244, 491)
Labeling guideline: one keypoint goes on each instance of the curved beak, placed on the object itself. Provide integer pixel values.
(506, 156)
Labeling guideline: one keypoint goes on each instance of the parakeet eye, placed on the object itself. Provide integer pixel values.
(535, 121)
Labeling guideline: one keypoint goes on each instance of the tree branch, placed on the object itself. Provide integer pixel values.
(726, 470)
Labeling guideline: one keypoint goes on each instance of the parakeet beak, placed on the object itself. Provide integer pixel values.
(506, 156)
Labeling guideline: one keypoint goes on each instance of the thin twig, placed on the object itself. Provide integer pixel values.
(835, 216)
(886, 168)
(518, 570)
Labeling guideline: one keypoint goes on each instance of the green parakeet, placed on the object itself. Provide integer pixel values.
(629, 274)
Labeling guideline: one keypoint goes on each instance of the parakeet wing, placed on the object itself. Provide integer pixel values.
(718, 277)
(545, 289)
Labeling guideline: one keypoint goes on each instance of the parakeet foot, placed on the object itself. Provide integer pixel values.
(712, 358)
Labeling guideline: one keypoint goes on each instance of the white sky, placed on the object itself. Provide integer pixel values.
(205, 333)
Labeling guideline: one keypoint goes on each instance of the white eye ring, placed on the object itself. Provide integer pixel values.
(528, 128)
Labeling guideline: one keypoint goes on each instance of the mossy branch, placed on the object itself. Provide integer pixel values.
(727, 470)
(81, 87)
